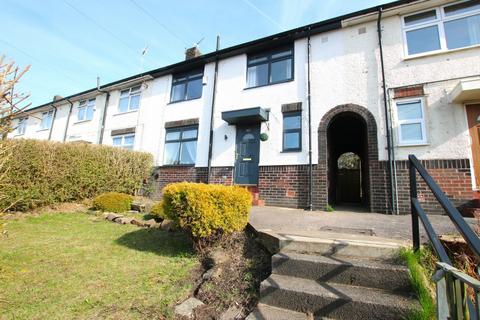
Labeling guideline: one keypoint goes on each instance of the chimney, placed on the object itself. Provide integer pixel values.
(192, 52)
(57, 97)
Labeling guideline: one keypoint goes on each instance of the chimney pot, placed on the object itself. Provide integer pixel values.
(57, 97)
(192, 52)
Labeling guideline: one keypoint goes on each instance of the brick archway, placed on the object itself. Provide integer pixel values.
(374, 178)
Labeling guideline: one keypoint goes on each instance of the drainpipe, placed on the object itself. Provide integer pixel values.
(310, 165)
(212, 112)
(68, 120)
(53, 121)
(104, 114)
(385, 104)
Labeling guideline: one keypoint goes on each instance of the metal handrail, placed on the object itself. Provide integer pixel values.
(452, 299)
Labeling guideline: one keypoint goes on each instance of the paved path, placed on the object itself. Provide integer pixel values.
(297, 221)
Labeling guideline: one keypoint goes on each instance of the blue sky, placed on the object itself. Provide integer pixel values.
(68, 43)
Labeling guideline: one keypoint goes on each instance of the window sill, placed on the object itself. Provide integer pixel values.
(291, 151)
(82, 121)
(40, 130)
(18, 135)
(126, 112)
(180, 101)
(438, 52)
(420, 144)
(269, 84)
(178, 165)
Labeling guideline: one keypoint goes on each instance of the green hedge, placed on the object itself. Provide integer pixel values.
(207, 212)
(42, 173)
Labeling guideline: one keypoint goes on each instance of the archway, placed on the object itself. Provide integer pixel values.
(348, 189)
(343, 129)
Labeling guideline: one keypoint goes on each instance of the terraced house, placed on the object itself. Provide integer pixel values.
(280, 113)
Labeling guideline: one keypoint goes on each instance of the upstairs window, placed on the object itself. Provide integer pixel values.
(449, 27)
(187, 86)
(292, 131)
(181, 146)
(269, 68)
(22, 126)
(411, 122)
(47, 118)
(85, 110)
(129, 99)
(125, 141)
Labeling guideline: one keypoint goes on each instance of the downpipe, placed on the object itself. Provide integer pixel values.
(310, 165)
(212, 113)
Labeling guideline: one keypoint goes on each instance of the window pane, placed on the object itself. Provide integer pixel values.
(194, 88)
(189, 151)
(124, 93)
(174, 135)
(134, 89)
(128, 140)
(179, 78)
(291, 140)
(134, 102)
(281, 70)
(123, 104)
(198, 74)
(423, 40)
(463, 7)
(178, 92)
(291, 122)
(420, 18)
(463, 32)
(258, 59)
(408, 111)
(81, 114)
(172, 151)
(257, 75)
(189, 134)
(117, 141)
(411, 132)
(282, 54)
(90, 113)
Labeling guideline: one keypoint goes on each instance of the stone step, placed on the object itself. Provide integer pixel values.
(331, 244)
(336, 301)
(266, 312)
(345, 270)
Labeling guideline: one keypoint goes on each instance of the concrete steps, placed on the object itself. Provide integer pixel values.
(336, 301)
(326, 275)
(343, 270)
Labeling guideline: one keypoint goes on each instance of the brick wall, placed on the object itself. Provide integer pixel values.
(284, 186)
(169, 174)
(453, 177)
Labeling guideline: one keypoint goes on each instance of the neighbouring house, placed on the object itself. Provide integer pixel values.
(277, 113)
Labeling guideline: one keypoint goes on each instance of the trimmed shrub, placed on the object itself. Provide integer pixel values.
(206, 212)
(113, 202)
(42, 173)
(157, 211)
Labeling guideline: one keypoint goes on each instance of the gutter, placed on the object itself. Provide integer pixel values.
(387, 122)
(310, 165)
(212, 112)
(53, 121)
(104, 114)
(68, 120)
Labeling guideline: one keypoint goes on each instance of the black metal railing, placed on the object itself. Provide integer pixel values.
(453, 301)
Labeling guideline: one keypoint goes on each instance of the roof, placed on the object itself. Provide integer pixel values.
(247, 47)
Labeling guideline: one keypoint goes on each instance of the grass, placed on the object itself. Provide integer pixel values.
(420, 266)
(77, 266)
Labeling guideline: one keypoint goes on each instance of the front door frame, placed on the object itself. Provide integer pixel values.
(475, 168)
(253, 128)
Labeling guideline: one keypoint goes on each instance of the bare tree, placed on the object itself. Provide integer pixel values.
(12, 103)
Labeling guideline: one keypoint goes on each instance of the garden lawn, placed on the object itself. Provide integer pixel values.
(75, 265)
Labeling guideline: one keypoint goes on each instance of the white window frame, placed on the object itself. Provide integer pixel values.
(439, 22)
(422, 121)
(131, 93)
(46, 113)
(85, 104)
(122, 144)
(21, 126)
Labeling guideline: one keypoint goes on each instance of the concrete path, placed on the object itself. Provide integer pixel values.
(306, 223)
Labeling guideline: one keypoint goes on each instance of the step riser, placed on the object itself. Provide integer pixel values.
(338, 248)
(330, 307)
(395, 279)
